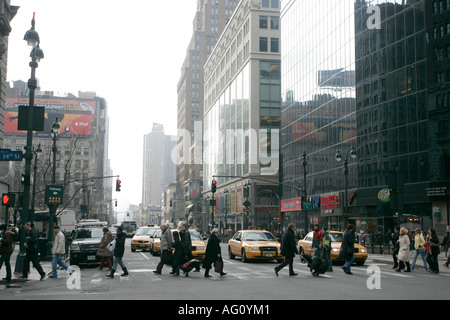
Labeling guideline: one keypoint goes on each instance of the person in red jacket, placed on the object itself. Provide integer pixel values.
(317, 240)
(6, 250)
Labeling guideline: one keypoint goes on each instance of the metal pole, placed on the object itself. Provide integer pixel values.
(304, 192)
(32, 85)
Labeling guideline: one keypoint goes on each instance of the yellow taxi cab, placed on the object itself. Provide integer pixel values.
(198, 245)
(141, 240)
(155, 241)
(254, 244)
(304, 246)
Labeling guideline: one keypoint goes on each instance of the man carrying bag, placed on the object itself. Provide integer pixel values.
(166, 248)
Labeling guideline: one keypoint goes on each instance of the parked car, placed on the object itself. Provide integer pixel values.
(305, 247)
(254, 244)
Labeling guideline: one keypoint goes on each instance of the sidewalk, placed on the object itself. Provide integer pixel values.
(387, 258)
(34, 275)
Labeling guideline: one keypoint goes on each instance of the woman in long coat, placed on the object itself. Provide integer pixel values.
(403, 252)
(103, 250)
(178, 255)
(213, 253)
(347, 248)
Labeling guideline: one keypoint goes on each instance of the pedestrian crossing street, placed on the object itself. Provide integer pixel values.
(237, 270)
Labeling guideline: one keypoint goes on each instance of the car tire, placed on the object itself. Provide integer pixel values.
(244, 258)
(133, 250)
(230, 254)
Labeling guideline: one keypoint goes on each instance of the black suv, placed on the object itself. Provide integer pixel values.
(84, 247)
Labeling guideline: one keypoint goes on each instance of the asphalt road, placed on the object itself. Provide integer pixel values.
(244, 282)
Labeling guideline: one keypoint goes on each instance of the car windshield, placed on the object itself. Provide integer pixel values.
(195, 235)
(143, 231)
(336, 237)
(258, 236)
(93, 233)
(158, 234)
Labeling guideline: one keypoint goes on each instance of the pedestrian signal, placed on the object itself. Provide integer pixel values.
(9, 199)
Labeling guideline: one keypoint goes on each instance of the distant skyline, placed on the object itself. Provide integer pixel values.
(129, 53)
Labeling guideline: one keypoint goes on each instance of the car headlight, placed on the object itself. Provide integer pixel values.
(201, 248)
(75, 247)
(253, 248)
(334, 250)
(363, 250)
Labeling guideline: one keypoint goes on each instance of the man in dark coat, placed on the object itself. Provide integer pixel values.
(185, 238)
(213, 253)
(119, 251)
(31, 246)
(288, 250)
(348, 248)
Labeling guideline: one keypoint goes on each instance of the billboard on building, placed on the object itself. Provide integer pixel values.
(71, 123)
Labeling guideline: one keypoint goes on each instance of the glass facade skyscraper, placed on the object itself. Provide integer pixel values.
(370, 75)
(319, 102)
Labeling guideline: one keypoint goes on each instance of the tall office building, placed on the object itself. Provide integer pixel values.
(370, 75)
(81, 154)
(209, 21)
(438, 80)
(159, 169)
(242, 118)
(318, 109)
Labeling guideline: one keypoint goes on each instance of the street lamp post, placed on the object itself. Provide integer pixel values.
(305, 164)
(353, 154)
(35, 152)
(32, 38)
(52, 207)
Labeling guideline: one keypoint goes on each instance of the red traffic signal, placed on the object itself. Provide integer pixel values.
(118, 186)
(9, 199)
(213, 186)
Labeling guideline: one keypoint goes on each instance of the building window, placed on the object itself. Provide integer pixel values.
(263, 44)
(274, 23)
(263, 22)
(274, 45)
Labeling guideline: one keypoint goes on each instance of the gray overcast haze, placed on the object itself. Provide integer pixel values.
(128, 52)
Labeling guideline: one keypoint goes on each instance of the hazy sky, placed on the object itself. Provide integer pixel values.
(129, 52)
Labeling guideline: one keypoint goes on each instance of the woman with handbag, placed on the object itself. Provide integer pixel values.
(403, 252)
(213, 254)
(103, 251)
(119, 251)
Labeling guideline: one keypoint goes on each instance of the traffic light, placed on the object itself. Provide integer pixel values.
(214, 186)
(118, 182)
(246, 191)
(9, 199)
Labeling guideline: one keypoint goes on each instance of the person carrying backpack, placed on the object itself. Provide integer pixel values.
(326, 248)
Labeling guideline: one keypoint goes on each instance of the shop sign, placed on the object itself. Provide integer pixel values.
(384, 195)
(291, 205)
(328, 202)
(436, 192)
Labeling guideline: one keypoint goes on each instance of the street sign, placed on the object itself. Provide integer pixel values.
(247, 204)
(54, 195)
(8, 155)
(307, 205)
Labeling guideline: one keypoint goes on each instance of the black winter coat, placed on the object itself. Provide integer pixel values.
(120, 245)
(348, 245)
(185, 237)
(178, 255)
(288, 247)
(212, 250)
